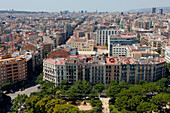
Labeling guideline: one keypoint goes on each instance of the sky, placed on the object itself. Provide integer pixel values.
(77, 5)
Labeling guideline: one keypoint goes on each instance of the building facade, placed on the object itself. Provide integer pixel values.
(102, 36)
(167, 54)
(100, 69)
(81, 44)
(114, 40)
(12, 69)
(119, 50)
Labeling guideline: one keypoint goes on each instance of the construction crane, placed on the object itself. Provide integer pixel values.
(12, 42)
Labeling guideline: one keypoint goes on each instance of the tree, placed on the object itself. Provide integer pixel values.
(162, 82)
(142, 82)
(64, 82)
(124, 85)
(47, 85)
(146, 107)
(168, 66)
(159, 51)
(112, 91)
(97, 104)
(93, 93)
(5, 101)
(106, 45)
(51, 104)
(99, 87)
(121, 102)
(72, 94)
(113, 83)
(45, 53)
(55, 89)
(30, 103)
(161, 99)
(85, 88)
(39, 79)
(63, 108)
(80, 87)
(168, 90)
(40, 105)
(18, 102)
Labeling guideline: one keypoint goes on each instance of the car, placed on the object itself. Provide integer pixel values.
(11, 91)
(5, 92)
(22, 89)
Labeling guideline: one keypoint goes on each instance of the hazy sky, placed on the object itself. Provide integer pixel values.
(77, 5)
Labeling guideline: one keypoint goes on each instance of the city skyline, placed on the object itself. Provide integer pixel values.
(76, 5)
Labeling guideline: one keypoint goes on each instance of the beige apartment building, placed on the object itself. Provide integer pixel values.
(81, 44)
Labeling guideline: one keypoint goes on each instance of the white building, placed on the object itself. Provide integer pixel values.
(54, 70)
(102, 35)
(119, 50)
(167, 54)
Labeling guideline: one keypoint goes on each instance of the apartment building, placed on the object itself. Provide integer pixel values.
(142, 23)
(103, 35)
(36, 51)
(12, 69)
(167, 54)
(58, 53)
(115, 41)
(75, 67)
(132, 71)
(100, 69)
(119, 50)
(81, 44)
(47, 46)
(153, 40)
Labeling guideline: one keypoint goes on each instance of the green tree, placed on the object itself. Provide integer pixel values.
(85, 88)
(112, 91)
(39, 79)
(162, 82)
(161, 99)
(63, 108)
(159, 51)
(64, 82)
(18, 102)
(141, 82)
(93, 93)
(30, 103)
(51, 104)
(48, 85)
(72, 94)
(80, 87)
(99, 87)
(45, 53)
(106, 45)
(97, 104)
(146, 107)
(40, 105)
(168, 65)
(113, 83)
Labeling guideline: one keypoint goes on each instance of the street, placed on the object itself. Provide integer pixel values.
(27, 91)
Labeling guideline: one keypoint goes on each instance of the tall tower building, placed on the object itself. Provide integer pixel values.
(161, 11)
(153, 10)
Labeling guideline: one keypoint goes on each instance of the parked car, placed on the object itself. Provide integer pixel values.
(11, 91)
